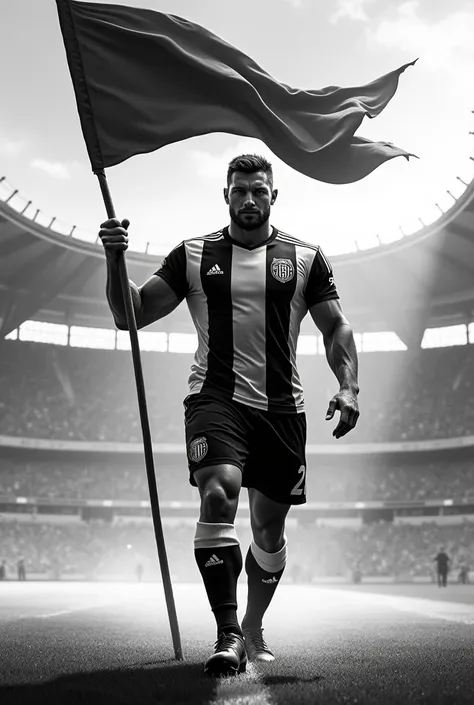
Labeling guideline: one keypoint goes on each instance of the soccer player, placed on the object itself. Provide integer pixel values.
(464, 573)
(21, 569)
(247, 286)
(442, 566)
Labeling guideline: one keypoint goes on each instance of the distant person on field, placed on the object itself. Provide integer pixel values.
(357, 574)
(464, 573)
(139, 571)
(56, 569)
(21, 569)
(297, 573)
(3, 570)
(442, 562)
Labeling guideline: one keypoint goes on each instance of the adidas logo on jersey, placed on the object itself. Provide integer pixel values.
(270, 581)
(213, 560)
(215, 270)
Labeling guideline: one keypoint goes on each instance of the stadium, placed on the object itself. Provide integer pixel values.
(71, 448)
(74, 501)
(116, 573)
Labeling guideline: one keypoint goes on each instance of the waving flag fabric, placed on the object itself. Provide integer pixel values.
(144, 79)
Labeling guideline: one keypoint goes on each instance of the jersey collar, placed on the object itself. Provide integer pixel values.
(266, 242)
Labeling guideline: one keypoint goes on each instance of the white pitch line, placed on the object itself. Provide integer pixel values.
(449, 611)
(60, 613)
(246, 689)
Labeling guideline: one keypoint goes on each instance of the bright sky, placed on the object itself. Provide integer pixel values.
(176, 192)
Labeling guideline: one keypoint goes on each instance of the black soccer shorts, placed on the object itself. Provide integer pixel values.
(268, 447)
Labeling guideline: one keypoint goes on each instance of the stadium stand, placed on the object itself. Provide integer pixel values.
(49, 392)
(97, 549)
(89, 395)
(336, 480)
(91, 480)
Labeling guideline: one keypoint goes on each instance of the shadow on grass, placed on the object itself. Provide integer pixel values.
(155, 683)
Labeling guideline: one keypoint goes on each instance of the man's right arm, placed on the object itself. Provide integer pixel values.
(152, 301)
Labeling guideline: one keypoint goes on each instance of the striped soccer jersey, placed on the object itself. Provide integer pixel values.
(247, 304)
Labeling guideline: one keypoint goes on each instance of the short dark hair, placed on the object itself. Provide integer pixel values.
(249, 164)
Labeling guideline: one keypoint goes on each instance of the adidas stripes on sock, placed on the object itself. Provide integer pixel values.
(219, 559)
(264, 571)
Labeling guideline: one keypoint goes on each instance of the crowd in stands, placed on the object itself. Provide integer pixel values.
(89, 395)
(86, 395)
(97, 550)
(76, 480)
(340, 479)
(361, 479)
(406, 396)
(383, 549)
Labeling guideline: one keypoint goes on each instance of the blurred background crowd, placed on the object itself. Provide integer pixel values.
(49, 392)
(68, 393)
(97, 549)
(351, 479)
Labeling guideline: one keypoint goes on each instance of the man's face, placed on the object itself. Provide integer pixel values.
(249, 197)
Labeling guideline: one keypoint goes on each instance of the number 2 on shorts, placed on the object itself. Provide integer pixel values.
(297, 489)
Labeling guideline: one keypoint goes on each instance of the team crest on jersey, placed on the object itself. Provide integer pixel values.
(282, 269)
(198, 449)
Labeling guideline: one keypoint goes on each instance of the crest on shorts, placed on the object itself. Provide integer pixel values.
(197, 449)
(282, 269)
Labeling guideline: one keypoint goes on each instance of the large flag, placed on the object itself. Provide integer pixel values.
(144, 79)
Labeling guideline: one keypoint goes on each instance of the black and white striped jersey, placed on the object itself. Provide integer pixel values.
(247, 304)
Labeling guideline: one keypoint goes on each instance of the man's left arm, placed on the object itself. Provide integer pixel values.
(341, 354)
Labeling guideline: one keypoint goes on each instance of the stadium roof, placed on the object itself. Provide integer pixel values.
(419, 281)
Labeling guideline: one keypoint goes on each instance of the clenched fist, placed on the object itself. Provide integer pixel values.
(114, 236)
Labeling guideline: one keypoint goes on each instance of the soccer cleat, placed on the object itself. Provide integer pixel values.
(229, 657)
(256, 646)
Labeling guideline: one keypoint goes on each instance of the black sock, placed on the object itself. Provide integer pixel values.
(261, 588)
(226, 618)
(220, 569)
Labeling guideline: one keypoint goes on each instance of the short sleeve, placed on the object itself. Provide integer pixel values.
(320, 284)
(173, 271)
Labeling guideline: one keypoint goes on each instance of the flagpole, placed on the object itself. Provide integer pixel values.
(149, 463)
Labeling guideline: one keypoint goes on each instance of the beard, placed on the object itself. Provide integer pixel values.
(260, 217)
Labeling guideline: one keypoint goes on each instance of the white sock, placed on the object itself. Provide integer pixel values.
(270, 562)
(215, 535)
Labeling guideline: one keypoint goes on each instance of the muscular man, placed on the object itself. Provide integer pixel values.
(247, 286)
